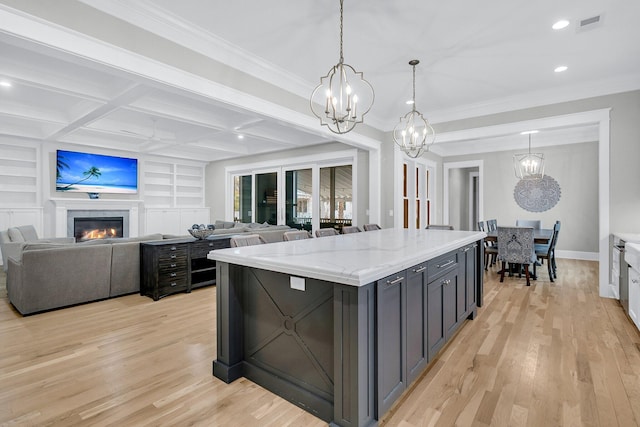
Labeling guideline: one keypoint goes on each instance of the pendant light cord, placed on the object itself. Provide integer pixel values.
(414, 88)
(341, 55)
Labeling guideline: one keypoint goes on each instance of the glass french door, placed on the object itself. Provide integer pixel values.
(266, 198)
(336, 196)
(242, 198)
(303, 197)
(298, 203)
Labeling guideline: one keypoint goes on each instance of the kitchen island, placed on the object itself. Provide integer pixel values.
(342, 325)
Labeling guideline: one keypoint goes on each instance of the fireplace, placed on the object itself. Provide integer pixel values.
(97, 228)
(104, 223)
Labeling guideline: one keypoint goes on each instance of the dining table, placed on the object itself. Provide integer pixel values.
(541, 236)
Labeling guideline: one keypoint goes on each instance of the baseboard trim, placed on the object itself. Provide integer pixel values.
(586, 256)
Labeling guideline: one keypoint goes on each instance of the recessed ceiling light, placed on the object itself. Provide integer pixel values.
(409, 102)
(240, 136)
(527, 132)
(5, 83)
(561, 68)
(563, 23)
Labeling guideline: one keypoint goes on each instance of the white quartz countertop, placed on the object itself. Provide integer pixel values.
(353, 259)
(632, 255)
(628, 237)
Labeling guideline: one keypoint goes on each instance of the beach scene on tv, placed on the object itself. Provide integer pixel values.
(95, 173)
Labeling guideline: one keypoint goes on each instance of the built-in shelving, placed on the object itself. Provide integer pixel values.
(19, 175)
(173, 184)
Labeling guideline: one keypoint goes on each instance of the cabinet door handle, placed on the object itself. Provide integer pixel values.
(173, 248)
(395, 281)
(173, 265)
(174, 274)
(419, 270)
(173, 284)
(446, 264)
(173, 256)
(210, 244)
(446, 282)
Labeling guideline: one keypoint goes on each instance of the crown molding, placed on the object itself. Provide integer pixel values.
(556, 130)
(526, 100)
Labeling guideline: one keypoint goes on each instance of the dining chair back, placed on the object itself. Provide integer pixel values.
(246, 240)
(536, 224)
(480, 225)
(371, 227)
(324, 232)
(348, 229)
(439, 227)
(516, 246)
(547, 252)
(289, 236)
(492, 224)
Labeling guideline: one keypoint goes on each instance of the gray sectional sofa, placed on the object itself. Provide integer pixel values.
(47, 274)
(44, 276)
(270, 233)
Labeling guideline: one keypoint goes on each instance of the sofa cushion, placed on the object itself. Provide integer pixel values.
(15, 235)
(223, 224)
(28, 233)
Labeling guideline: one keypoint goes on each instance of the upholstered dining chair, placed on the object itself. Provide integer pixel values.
(246, 240)
(515, 246)
(348, 229)
(324, 232)
(439, 227)
(371, 227)
(536, 224)
(295, 235)
(492, 224)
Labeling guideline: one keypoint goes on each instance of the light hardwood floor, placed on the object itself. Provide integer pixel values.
(553, 354)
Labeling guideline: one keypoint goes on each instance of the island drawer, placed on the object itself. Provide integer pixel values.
(442, 265)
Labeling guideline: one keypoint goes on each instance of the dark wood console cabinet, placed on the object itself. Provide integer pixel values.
(177, 265)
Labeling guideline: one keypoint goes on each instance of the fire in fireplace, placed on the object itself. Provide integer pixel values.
(97, 228)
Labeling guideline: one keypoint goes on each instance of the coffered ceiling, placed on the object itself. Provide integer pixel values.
(477, 58)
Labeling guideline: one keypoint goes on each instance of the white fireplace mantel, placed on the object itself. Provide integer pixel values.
(62, 205)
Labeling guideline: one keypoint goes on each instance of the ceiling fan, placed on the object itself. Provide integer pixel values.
(150, 138)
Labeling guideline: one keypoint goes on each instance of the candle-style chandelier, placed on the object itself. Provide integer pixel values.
(413, 134)
(343, 96)
(529, 165)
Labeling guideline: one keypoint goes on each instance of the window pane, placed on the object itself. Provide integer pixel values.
(267, 198)
(298, 199)
(242, 198)
(336, 196)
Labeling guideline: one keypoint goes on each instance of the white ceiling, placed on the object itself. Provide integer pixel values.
(477, 58)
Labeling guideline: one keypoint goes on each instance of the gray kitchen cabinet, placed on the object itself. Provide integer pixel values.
(416, 308)
(470, 255)
(391, 339)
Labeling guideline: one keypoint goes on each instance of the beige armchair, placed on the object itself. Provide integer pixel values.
(13, 239)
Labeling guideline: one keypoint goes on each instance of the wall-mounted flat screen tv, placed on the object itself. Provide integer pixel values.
(95, 173)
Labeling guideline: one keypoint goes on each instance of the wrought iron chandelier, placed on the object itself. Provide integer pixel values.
(343, 96)
(413, 133)
(529, 165)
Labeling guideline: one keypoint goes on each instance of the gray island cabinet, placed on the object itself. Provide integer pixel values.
(341, 326)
